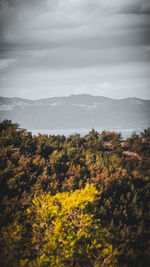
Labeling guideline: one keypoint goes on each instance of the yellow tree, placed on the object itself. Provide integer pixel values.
(66, 231)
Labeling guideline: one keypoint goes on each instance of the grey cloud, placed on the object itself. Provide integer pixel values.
(138, 7)
(103, 35)
(16, 3)
(5, 63)
(77, 57)
(117, 81)
(71, 34)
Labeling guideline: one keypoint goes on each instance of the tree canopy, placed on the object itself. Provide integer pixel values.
(73, 201)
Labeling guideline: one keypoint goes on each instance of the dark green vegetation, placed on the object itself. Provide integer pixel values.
(76, 201)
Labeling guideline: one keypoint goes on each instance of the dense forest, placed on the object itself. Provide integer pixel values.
(74, 201)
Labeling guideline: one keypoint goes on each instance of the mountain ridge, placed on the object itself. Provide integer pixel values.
(70, 96)
(76, 111)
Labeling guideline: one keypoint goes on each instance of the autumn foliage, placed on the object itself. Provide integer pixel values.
(73, 201)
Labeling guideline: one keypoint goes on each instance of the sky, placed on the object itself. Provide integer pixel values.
(61, 47)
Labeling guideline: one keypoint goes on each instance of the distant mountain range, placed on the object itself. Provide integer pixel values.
(76, 111)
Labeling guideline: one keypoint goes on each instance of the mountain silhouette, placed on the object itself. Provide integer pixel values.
(76, 111)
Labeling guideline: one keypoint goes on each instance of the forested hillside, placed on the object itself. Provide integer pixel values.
(74, 201)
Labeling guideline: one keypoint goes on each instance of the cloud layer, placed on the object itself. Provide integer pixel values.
(66, 38)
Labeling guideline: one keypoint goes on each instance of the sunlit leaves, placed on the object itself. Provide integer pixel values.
(66, 231)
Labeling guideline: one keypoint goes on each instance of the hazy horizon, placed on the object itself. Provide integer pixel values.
(42, 98)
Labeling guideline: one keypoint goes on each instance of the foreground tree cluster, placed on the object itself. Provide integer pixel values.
(74, 201)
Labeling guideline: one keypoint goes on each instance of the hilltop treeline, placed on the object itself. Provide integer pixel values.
(73, 201)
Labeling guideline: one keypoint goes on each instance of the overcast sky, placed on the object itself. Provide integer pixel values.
(62, 47)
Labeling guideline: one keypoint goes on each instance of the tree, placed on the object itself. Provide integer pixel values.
(66, 231)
